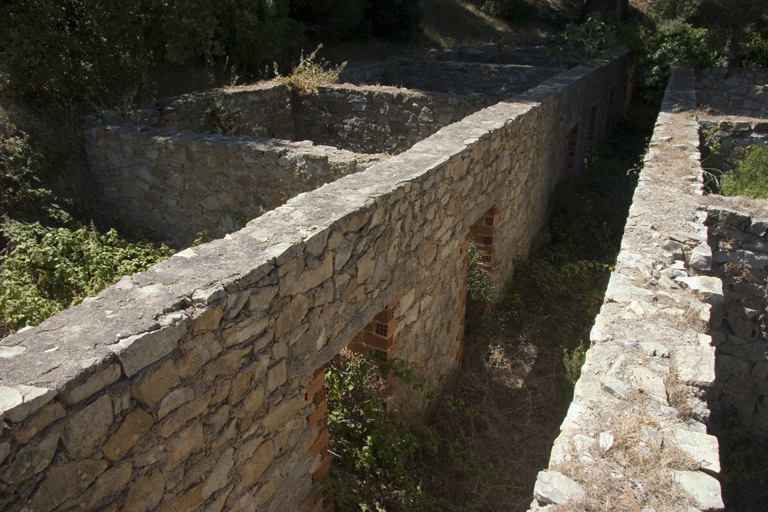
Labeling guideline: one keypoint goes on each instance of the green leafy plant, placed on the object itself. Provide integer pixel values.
(587, 40)
(750, 177)
(223, 116)
(45, 270)
(377, 454)
(308, 74)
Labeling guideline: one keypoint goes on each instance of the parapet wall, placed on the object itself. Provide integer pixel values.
(198, 384)
(636, 434)
(734, 91)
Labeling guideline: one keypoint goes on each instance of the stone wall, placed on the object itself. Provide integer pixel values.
(733, 91)
(265, 107)
(640, 402)
(377, 119)
(198, 384)
(734, 136)
(740, 326)
(180, 184)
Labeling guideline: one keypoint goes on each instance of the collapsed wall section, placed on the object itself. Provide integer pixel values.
(636, 434)
(195, 384)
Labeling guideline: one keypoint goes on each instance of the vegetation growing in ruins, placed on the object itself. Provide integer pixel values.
(308, 74)
(750, 177)
(525, 352)
(379, 456)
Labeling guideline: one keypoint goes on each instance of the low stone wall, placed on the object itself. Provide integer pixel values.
(733, 91)
(198, 384)
(179, 184)
(264, 109)
(377, 119)
(740, 324)
(733, 136)
(635, 436)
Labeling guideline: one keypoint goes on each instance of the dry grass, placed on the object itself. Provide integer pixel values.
(510, 383)
(758, 207)
(633, 473)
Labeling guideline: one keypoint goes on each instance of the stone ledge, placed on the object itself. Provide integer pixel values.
(644, 379)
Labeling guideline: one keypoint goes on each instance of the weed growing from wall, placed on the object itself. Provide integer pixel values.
(308, 74)
(223, 116)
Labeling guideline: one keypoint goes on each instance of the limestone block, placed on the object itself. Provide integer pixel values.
(615, 387)
(139, 351)
(696, 365)
(63, 482)
(18, 402)
(93, 385)
(247, 329)
(194, 409)
(198, 351)
(709, 289)
(145, 493)
(219, 476)
(555, 488)
(255, 466)
(184, 444)
(30, 460)
(704, 489)
(152, 390)
(285, 411)
(649, 383)
(134, 426)
(702, 448)
(174, 400)
(47, 415)
(86, 428)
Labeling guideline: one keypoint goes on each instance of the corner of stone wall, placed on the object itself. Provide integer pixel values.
(643, 390)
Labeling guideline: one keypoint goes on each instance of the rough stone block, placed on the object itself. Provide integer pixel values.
(134, 426)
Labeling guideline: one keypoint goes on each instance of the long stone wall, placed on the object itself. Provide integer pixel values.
(636, 434)
(181, 184)
(198, 384)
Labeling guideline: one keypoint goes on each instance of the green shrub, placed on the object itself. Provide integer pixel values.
(661, 45)
(19, 181)
(377, 453)
(46, 270)
(750, 178)
(586, 40)
(754, 50)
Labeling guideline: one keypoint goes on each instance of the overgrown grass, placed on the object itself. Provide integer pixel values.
(750, 177)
